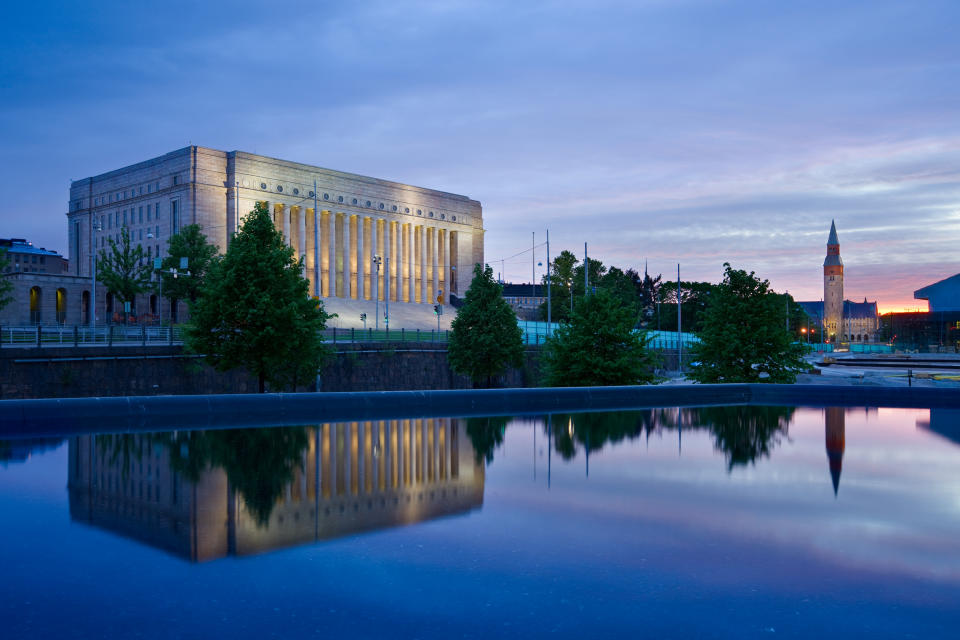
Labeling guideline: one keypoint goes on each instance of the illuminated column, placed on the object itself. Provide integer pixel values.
(444, 259)
(347, 267)
(361, 267)
(394, 259)
(423, 265)
(387, 259)
(404, 263)
(434, 251)
(286, 223)
(331, 247)
(374, 248)
(302, 239)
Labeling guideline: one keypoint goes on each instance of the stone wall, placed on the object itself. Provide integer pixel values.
(64, 372)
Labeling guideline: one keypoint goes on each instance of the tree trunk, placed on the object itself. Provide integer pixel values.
(261, 379)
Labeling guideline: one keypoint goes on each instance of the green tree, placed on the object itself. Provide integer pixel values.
(191, 244)
(122, 268)
(743, 337)
(6, 287)
(694, 298)
(486, 338)
(254, 310)
(599, 347)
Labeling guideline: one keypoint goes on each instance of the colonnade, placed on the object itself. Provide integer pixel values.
(418, 258)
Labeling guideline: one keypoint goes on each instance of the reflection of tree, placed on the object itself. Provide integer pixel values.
(122, 449)
(486, 434)
(594, 430)
(743, 433)
(259, 463)
(746, 433)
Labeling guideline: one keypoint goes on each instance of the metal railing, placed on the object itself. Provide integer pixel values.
(75, 336)
(335, 335)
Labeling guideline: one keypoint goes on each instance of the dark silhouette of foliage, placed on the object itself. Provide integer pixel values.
(191, 244)
(254, 310)
(743, 337)
(599, 347)
(123, 268)
(486, 434)
(485, 339)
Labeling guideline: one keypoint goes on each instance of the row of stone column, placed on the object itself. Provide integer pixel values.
(358, 458)
(418, 261)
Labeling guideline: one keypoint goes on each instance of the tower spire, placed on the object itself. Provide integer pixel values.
(833, 234)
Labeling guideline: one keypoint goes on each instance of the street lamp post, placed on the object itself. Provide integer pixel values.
(377, 261)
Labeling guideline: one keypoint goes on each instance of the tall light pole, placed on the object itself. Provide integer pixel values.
(549, 278)
(377, 261)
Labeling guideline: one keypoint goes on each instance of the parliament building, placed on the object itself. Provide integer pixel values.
(336, 222)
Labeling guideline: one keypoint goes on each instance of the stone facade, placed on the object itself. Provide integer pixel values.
(336, 221)
(833, 287)
(48, 299)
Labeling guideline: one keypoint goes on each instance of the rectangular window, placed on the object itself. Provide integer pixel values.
(149, 188)
(176, 180)
(117, 221)
(102, 227)
(126, 194)
(141, 215)
(156, 187)
(174, 216)
(124, 217)
(157, 232)
(149, 252)
(148, 212)
(141, 191)
(140, 235)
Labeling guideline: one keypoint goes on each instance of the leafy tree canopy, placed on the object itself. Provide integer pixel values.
(486, 338)
(743, 337)
(123, 269)
(191, 244)
(254, 310)
(599, 347)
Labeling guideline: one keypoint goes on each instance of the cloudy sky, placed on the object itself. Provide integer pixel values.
(668, 131)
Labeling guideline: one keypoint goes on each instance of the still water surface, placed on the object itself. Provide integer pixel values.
(716, 522)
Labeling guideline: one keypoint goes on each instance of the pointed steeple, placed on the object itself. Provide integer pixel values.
(833, 234)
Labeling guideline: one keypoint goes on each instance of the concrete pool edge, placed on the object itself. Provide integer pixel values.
(72, 416)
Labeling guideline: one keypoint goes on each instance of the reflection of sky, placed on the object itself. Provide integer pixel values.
(692, 131)
(898, 507)
(653, 543)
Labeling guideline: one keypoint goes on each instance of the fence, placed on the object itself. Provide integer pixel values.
(105, 335)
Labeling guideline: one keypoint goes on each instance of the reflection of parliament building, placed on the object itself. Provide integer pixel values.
(353, 477)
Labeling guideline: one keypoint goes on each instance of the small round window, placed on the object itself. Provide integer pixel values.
(279, 189)
(406, 209)
(354, 201)
(443, 216)
(368, 203)
(419, 212)
(326, 196)
(431, 214)
(296, 191)
(454, 218)
(394, 207)
(311, 194)
(263, 185)
(340, 199)
(381, 206)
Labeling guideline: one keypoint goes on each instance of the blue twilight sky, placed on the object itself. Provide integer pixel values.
(691, 131)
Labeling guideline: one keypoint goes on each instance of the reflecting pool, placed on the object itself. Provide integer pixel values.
(710, 522)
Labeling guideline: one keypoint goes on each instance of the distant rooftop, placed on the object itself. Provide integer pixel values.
(20, 245)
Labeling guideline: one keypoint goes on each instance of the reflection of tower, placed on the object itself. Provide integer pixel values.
(833, 287)
(836, 442)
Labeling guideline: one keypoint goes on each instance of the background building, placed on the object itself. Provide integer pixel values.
(836, 319)
(43, 290)
(941, 296)
(525, 299)
(336, 221)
